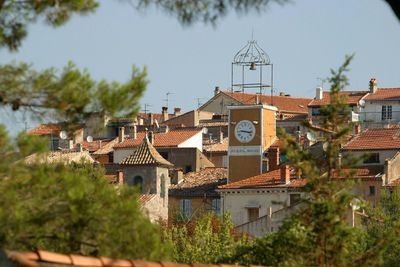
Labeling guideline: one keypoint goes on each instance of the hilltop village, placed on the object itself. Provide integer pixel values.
(226, 156)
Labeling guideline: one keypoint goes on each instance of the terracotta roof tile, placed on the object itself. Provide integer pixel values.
(146, 154)
(106, 148)
(375, 139)
(266, 180)
(46, 129)
(283, 103)
(198, 183)
(351, 98)
(45, 258)
(94, 145)
(371, 171)
(59, 156)
(170, 139)
(384, 94)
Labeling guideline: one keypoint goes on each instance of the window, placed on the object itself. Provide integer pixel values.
(55, 144)
(386, 112)
(372, 190)
(164, 155)
(253, 213)
(372, 158)
(138, 182)
(162, 186)
(216, 206)
(186, 207)
(316, 111)
(188, 168)
(294, 199)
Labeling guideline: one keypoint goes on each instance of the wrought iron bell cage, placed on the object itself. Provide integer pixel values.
(252, 58)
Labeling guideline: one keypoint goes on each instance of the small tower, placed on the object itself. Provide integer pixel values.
(252, 69)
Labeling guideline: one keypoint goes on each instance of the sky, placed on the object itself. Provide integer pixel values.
(304, 40)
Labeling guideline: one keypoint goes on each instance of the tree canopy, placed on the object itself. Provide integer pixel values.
(70, 208)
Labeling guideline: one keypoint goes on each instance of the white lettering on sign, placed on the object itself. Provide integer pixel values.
(244, 151)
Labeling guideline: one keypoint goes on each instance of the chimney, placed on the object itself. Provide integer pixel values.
(177, 111)
(373, 85)
(121, 134)
(150, 135)
(273, 158)
(120, 177)
(164, 113)
(339, 161)
(79, 147)
(151, 119)
(298, 137)
(281, 94)
(221, 136)
(285, 174)
(134, 132)
(217, 90)
(319, 93)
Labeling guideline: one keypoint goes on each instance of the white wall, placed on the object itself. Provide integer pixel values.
(373, 110)
(236, 203)
(194, 141)
(122, 153)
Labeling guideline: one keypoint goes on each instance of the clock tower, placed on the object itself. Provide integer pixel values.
(252, 130)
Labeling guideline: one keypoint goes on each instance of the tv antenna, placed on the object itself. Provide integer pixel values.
(167, 98)
(146, 106)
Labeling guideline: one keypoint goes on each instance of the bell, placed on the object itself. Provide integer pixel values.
(253, 66)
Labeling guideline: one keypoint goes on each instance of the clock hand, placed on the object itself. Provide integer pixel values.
(244, 131)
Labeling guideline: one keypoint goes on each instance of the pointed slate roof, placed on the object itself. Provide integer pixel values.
(146, 154)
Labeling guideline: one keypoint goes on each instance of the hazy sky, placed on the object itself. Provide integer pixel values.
(304, 40)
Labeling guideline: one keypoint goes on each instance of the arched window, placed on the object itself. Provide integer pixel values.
(162, 186)
(138, 182)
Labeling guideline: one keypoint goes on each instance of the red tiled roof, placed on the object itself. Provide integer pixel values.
(46, 129)
(283, 103)
(265, 180)
(94, 145)
(375, 139)
(145, 154)
(365, 171)
(169, 139)
(105, 148)
(384, 94)
(45, 258)
(351, 98)
(200, 183)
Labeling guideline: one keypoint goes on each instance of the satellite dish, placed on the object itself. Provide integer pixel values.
(310, 137)
(205, 130)
(325, 146)
(89, 138)
(361, 102)
(63, 135)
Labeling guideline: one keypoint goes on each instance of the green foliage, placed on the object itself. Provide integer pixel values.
(207, 11)
(205, 240)
(383, 228)
(70, 95)
(71, 209)
(15, 16)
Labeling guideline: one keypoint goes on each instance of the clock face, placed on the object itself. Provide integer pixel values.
(245, 131)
